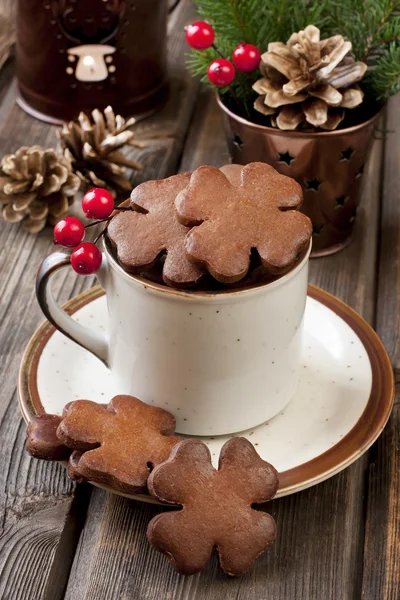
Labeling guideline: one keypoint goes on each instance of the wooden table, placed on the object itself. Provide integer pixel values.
(337, 541)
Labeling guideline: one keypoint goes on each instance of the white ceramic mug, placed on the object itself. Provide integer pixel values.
(220, 362)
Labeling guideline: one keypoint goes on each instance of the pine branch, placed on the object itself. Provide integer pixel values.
(373, 27)
(235, 19)
(385, 77)
(389, 32)
(366, 23)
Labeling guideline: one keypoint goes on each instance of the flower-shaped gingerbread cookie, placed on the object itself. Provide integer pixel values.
(217, 506)
(240, 208)
(120, 442)
(140, 236)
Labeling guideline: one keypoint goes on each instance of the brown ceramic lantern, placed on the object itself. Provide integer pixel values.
(77, 55)
(328, 164)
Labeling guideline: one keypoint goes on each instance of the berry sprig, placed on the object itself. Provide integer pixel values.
(221, 71)
(70, 232)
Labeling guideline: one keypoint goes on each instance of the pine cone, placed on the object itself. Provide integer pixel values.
(94, 148)
(308, 81)
(36, 187)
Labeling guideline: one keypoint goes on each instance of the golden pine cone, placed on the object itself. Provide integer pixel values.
(36, 187)
(94, 148)
(308, 81)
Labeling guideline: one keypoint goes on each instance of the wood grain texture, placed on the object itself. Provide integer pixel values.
(164, 134)
(36, 498)
(388, 303)
(6, 76)
(7, 28)
(381, 554)
(382, 558)
(205, 143)
(318, 553)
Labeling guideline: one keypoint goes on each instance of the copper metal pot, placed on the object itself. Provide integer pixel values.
(74, 56)
(328, 165)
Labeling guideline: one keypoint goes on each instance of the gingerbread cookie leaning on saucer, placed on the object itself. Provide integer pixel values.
(216, 506)
(235, 209)
(117, 445)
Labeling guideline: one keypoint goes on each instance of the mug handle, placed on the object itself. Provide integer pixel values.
(93, 341)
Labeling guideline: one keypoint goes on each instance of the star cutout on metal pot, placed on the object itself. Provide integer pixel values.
(285, 157)
(313, 184)
(347, 154)
(317, 229)
(360, 171)
(341, 200)
(353, 216)
(237, 142)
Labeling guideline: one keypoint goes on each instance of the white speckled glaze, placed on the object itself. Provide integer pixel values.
(220, 362)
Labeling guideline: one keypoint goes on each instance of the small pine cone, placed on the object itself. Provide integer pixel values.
(36, 187)
(94, 147)
(308, 82)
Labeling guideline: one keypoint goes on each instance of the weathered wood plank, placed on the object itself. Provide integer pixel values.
(205, 143)
(39, 508)
(382, 560)
(388, 305)
(36, 499)
(164, 134)
(318, 554)
(6, 75)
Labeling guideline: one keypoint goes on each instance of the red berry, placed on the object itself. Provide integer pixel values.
(98, 203)
(221, 72)
(69, 232)
(200, 35)
(86, 259)
(246, 57)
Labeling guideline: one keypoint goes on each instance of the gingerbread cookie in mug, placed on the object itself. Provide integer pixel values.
(140, 236)
(235, 209)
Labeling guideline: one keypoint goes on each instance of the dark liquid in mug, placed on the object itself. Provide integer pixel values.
(255, 277)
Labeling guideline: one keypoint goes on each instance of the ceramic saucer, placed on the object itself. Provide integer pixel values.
(343, 401)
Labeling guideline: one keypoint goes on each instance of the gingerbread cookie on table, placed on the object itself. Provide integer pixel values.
(142, 235)
(216, 506)
(235, 209)
(118, 444)
(42, 441)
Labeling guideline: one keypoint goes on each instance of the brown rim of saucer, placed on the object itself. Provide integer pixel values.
(346, 451)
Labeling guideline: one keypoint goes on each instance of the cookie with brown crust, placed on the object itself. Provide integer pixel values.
(117, 445)
(235, 209)
(216, 506)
